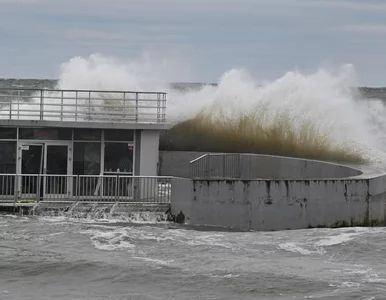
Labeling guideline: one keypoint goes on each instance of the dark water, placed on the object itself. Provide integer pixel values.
(64, 258)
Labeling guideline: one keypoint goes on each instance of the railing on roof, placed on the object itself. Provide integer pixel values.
(82, 105)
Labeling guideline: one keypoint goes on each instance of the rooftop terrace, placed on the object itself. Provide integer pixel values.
(53, 106)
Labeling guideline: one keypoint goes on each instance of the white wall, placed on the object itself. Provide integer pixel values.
(280, 204)
(149, 153)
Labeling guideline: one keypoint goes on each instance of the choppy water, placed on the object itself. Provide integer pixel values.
(63, 258)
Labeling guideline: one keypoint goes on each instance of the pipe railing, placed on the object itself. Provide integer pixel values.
(82, 105)
(216, 165)
(98, 188)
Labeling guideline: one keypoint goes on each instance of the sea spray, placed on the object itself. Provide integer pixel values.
(327, 99)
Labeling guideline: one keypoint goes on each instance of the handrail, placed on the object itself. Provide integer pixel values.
(81, 90)
(82, 105)
(198, 158)
(93, 188)
(216, 165)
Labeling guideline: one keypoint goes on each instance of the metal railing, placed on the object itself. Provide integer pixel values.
(82, 105)
(216, 165)
(98, 188)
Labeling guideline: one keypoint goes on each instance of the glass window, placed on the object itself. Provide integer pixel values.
(8, 157)
(119, 135)
(87, 158)
(118, 157)
(45, 134)
(87, 134)
(8, 133)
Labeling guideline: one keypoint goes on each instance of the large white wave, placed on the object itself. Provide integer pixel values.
(327, 98)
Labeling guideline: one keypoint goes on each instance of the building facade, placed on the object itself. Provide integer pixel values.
(53, 140)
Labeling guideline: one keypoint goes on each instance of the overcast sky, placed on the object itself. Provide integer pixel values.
(269, 37)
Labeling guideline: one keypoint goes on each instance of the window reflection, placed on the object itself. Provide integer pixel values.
(87, 157)
(119, 157)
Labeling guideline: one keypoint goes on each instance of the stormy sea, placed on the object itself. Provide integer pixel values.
(144, 257)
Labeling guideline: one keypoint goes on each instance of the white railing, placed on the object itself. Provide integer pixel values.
(103, 188)
(83, 105)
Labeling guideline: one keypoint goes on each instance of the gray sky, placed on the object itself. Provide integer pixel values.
(268, 37)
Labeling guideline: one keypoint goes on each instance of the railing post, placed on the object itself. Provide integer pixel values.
(89, 104)
(137, 189)
(223, 166)
(239, 165)
(10, 106)
(61, 108)
(208, 166)
(136, 107)
(77, 187)
(76, 106)
(16, 191)
(41, 104)
(158, 107)
(116, 189)
(18, 104)
(38, 189)
(124, 105)
(164, 108)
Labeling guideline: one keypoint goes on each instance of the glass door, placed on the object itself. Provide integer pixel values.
(57, 167)
(30, 168)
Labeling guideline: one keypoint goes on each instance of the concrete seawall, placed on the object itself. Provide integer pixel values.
(287, 203)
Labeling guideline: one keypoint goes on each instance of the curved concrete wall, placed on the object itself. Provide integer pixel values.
(177, 163)
(279, 167)
(283, 204)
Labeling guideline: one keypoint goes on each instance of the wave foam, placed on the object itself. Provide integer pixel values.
(116, 239)
(326, 97)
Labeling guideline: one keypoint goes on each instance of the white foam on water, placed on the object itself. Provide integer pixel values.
(155, 260)
(337, 239)
(140, 217)
(8, 216)
(295, 248)
(311, 243)
(230, 275)
(116, 239)
(345, 284)
(362, 273)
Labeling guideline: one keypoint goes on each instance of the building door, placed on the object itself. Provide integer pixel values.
(30, 183)
(45, 170)
(57, 170)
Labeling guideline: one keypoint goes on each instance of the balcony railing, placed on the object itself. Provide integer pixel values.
(82, 105)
